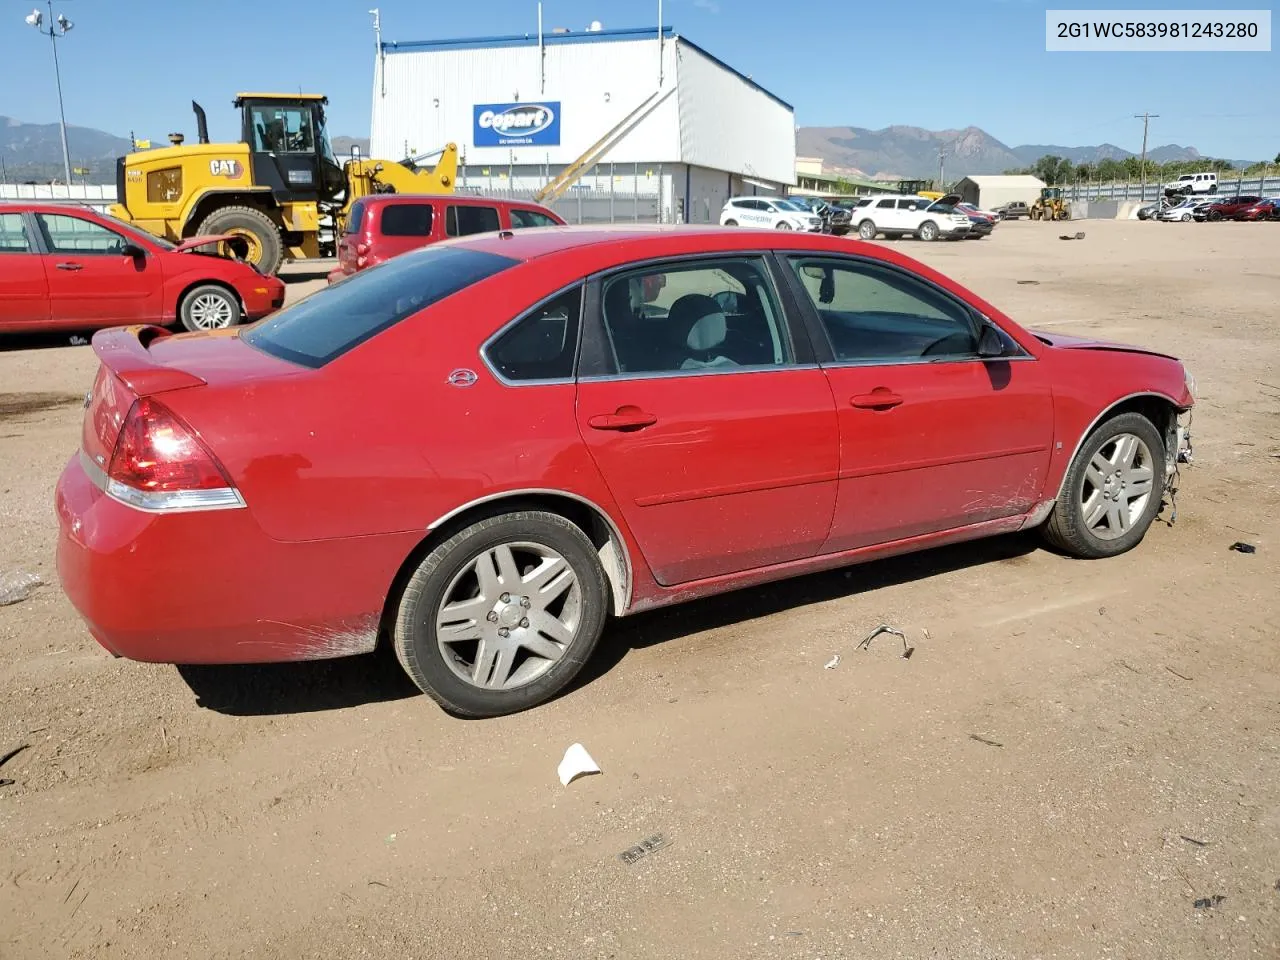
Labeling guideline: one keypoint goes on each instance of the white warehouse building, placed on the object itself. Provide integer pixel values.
(663, 129)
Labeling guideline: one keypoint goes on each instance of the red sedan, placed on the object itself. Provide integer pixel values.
(1268, 208)
(480, 451)
(67, 267)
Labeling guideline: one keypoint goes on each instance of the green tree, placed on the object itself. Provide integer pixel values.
(1052, 170)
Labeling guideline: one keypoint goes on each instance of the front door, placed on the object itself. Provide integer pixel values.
(91, 281)
(24, 293)
(719, 448)
(932, 438)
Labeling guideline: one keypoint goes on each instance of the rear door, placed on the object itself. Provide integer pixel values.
(91, 281)
(24, 292)
(932, 437)
(712, 427)
(884, 213)
(464, 219)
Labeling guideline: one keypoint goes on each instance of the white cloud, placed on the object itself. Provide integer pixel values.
(709, 5)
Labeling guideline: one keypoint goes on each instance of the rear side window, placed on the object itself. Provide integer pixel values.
(332, 321)
(355, 218)
(462, 221)
(406, 220)
(13, 234)
(541, 345)
(531, 218)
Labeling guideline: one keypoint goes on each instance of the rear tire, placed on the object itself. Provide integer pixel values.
(1069, 528)
(867, 230)
(449, 577)
(209, 307)
(783, 225)
(731, 223)
(266, 249)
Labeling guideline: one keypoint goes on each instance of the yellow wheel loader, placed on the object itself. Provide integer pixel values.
(279, 190)
(1050, 206)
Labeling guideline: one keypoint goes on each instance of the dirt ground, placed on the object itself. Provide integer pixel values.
(1081, 759)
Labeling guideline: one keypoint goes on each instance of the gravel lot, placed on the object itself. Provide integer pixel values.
(1075, 755)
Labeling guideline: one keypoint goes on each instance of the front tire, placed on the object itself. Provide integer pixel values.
(731, 223)
(1112, 490)
(503, 615)
(209, 307)
(928, 231)
(867, 230)
(783, 225)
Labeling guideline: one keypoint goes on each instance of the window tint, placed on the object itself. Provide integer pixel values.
(719, 314)
(886, 204)
(530, 218)
(462, 221)
(13, 234)
(282, 129)
(73, 235)
(332, 321)
(542, 345)
(355, 219)
(406, 220)
(874, 313)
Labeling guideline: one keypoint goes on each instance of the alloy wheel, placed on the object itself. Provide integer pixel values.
(1117, 485)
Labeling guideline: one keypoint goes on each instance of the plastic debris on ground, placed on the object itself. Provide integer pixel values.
(865, 643)
(832, 663)
(1239, 547)
(17, 586)
(643, 848)
(576, 763)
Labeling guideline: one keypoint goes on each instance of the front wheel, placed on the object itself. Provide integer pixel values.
(503, 615)
(209, 307)
(1186, 218)
(867, 230)
(928, 231)
(783, 225)
(731, 223)
(1214, 216)
(1112, 490)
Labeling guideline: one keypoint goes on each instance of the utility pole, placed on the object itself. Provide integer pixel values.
(1146, 119)
(942, 154)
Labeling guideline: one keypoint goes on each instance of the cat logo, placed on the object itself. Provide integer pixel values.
(225, 168)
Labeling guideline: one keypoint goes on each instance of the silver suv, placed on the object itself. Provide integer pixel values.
(894, 215)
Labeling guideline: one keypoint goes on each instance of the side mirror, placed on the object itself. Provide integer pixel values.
(990, 344)
(132, 250)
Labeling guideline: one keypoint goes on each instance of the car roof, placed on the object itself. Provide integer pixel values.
(457, 199)
(43, 206)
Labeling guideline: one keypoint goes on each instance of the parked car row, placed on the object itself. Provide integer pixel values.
(889, 215)
(1243, 207)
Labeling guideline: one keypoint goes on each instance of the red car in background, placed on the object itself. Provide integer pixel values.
(1228, 208)
(68, 267)
(385, 225)
(480, 451)
(1268, 208)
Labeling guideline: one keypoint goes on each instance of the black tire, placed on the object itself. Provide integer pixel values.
(731, 223)
(783, 225)
(414, 634)
(1214, 216)
(1066, 528)
(269, 250)
(867, 230)
(928, 231)
(209, 307)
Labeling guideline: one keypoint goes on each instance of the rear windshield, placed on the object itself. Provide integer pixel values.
(332, 321)
(406, 220)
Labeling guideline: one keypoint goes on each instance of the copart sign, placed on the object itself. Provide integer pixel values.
(516, 124)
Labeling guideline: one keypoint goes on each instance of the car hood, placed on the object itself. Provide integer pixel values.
(1063, 342)
(196, 242)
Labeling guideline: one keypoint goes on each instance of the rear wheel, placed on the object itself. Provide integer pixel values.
(259, 235)
(209, 307)
(928, 231)
(731, 223)
(783, 225)
(1112, 490)
(502, 616)
(867, 230)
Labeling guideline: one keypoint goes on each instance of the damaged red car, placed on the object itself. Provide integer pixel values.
(480, 452)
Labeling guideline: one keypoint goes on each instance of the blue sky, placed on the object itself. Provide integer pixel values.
(930, 63)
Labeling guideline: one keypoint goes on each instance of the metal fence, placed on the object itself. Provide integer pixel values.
(1132, 189)
(94, 195)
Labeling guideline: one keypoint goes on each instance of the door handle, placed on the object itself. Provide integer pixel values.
(70, 266)
(626, 418)
(877, 399)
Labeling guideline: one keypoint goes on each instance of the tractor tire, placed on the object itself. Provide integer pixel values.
(266, 248)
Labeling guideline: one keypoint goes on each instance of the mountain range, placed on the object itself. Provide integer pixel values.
(901, 151)
(33, 151)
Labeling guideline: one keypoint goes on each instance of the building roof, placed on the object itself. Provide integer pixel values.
(1006, 180)
(582, 36)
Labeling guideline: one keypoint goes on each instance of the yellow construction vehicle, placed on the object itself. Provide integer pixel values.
(279, 190)
(1050, 206)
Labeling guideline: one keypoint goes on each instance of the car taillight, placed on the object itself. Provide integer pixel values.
(361, 249)
(160, 464)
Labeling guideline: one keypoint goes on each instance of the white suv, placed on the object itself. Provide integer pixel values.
(771, 213)
(895, 216)
(1193, 183)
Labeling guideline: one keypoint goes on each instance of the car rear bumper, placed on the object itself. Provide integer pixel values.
(211, 587)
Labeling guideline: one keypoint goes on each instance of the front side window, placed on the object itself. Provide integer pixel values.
(542, 344)
(406, 220)
(13, 234)
(876, 314)
(71, 235)
(282, 129)
(332, 321)
(464, 220)
(530, 218)
(693, 317)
